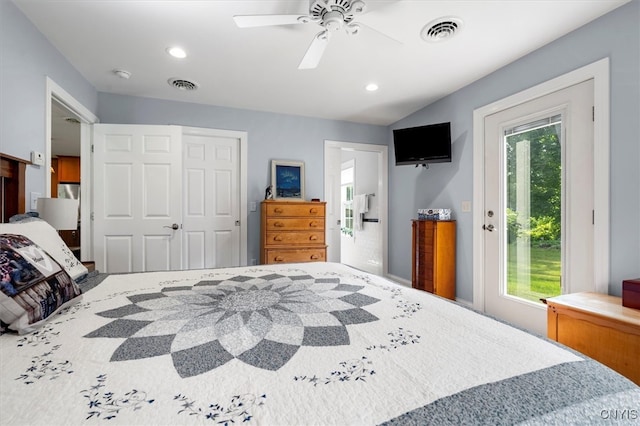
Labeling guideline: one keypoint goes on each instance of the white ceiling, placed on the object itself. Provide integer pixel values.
(256, 68)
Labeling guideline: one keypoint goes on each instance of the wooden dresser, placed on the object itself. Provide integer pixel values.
(292, 231)
(433, 256)
(598, 326)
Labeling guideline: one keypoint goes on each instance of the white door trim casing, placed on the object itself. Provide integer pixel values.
(87, 118)
(599, 72)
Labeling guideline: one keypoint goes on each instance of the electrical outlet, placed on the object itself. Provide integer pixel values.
(254, 262)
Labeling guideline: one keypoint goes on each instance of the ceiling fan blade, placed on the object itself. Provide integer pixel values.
(387, 36)
(248, 21)
(315, 51)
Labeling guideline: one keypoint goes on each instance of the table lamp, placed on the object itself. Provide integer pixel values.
(60, 213)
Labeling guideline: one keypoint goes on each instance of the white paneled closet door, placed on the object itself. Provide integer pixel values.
(137, 181)
(212, 200)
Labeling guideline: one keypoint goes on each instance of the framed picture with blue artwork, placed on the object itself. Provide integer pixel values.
(287, 179)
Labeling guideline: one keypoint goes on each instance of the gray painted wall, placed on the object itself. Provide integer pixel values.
(26, 59)
(615, 35)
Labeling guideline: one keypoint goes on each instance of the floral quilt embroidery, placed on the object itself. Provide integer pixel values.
(45, 366)
(107, 405)
(240, 408)
(353, 370)
(398, 338)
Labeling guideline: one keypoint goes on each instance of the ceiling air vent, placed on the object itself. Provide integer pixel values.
(182, 84)
(441, 29)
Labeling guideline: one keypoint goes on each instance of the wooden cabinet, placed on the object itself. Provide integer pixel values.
(598, 326)
(68, 169)
(434, 257)
(71, 238)
(292, 231)
(12, 176)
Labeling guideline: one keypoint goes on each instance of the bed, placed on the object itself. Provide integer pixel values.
(294, 344)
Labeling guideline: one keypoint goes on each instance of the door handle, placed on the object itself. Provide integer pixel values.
(175, 226)
(489, 228)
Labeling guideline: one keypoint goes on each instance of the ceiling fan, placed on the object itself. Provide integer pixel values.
(331, 15)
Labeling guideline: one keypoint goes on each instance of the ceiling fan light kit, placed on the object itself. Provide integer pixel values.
(331, 15)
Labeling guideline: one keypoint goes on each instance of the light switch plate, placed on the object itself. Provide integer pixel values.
(466, 206)
(34, 200)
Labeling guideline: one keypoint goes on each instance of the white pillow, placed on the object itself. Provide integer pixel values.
(45, 236)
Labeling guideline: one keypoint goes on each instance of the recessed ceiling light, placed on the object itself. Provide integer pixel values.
(177, 52)
(371, 87)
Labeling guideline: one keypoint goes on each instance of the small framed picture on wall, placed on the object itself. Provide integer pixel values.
(287, 179)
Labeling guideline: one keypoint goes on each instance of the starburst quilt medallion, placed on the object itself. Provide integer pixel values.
(260, 321)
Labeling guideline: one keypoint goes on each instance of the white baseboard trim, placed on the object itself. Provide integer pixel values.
(402, 281)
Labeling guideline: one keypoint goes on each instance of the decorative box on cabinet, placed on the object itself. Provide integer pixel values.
(292, 231)
(598, 326)
(434, 257)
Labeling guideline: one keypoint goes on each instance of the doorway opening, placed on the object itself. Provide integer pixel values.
(356, 196)
(68, 133)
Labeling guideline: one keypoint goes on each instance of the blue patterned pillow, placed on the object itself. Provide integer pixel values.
(33, 286)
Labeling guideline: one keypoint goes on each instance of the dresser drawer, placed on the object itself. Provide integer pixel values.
(293, 209)
(291, 224)
(295, 255)
(295, 237)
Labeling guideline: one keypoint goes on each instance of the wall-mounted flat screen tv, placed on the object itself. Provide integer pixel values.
(423, 145)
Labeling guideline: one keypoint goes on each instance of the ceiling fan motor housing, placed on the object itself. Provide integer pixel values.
(333, 21)
(333, 14)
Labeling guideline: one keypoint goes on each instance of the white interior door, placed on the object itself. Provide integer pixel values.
(211, 220)
(137, 180)
(538, 164)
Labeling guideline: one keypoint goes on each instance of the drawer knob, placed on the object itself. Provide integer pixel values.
(277, 238)
(277, 210)
(313, 210)
(279, 259)
(313, 237)
(278, 224)
(315, 256)
(313, 224)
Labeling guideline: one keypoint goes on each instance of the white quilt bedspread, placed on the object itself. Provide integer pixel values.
(299, 344)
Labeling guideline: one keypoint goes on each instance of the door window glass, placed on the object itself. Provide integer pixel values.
(534, 209)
